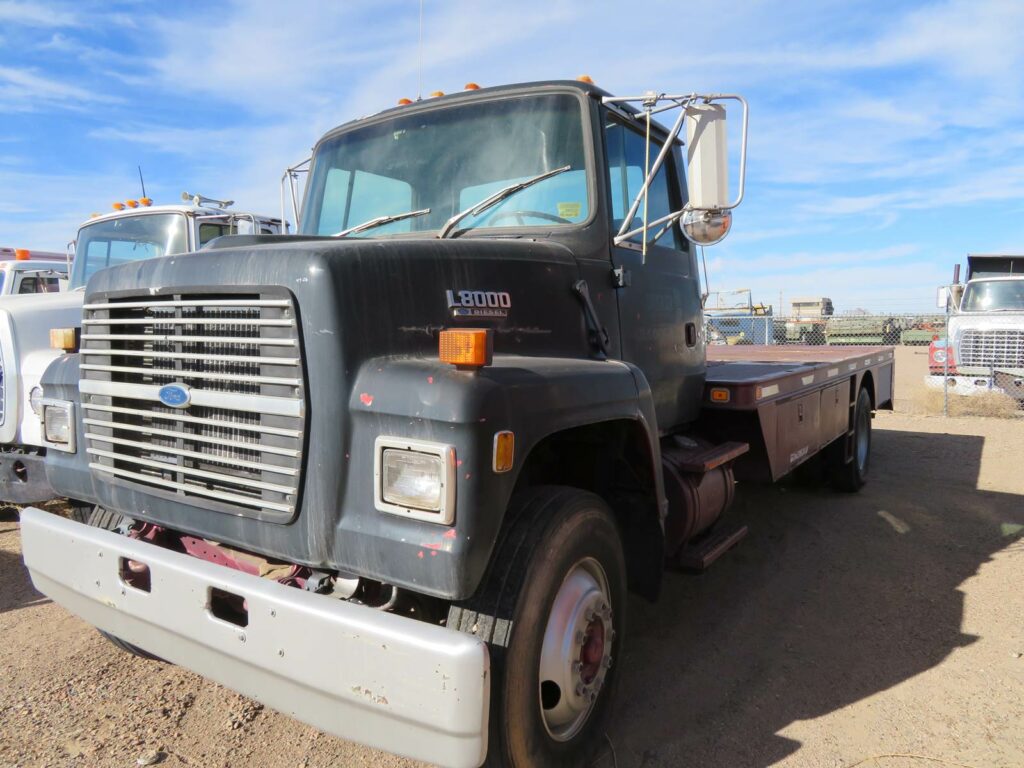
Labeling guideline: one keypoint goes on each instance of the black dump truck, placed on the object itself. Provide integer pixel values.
(396, 474)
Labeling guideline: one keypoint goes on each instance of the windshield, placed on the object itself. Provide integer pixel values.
(993, 296)
(449, 159)
(130, 238)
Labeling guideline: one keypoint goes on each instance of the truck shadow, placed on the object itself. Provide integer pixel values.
(830, 599)
(16, 590)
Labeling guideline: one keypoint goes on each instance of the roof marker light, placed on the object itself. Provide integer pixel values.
(132, 203)
(404, 102)
(585, 79)
(435, 94)
(471, 87)
(118, 206)
(145, 201)
(22, 254)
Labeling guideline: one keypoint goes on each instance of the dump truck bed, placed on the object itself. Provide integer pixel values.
(789, 402)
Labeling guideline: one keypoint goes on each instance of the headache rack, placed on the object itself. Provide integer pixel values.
(236, 444)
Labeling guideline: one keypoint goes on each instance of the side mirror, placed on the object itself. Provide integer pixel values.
(942, 298)
(707, 157)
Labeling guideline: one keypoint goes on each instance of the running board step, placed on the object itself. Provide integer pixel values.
(698, 555)
(704, 460)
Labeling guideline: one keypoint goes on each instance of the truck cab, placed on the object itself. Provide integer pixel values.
(396, 474)
(32, 303)
(27, 277)
(984, 347)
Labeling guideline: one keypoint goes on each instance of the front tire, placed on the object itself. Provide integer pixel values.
(552, 608)
(111, 521)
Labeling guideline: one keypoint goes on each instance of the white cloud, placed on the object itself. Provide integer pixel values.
(34, 15)
(26, 90)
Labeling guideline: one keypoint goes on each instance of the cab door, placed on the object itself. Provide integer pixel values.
(659, 291)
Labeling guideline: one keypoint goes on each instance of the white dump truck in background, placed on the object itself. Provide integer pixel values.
(984, 347)
(136, 230)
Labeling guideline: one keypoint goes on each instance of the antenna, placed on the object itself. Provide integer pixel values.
(419, 84)
(143, 183)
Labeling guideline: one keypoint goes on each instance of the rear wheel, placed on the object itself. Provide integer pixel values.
(851, 475)
(111, 521)
(552, 608)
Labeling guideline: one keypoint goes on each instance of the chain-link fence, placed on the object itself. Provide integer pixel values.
(834, 330)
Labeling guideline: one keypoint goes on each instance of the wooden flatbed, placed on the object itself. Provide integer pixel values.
(789, 402)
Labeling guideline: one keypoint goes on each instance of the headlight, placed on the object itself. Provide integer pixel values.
(415, 478)
(939, 356)
(34, 398)
(58, 424)
(412, 480)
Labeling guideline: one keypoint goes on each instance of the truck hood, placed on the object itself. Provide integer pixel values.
(25, 323)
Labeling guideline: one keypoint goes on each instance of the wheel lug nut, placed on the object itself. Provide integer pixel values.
(580, 689)
(608, 663)
(593, 696)
(576, 666)
(580, 637)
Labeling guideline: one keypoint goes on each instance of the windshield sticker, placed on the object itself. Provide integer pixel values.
(570, 210)
(479, 303)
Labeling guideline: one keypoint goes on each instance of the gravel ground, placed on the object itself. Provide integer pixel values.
(842, 628)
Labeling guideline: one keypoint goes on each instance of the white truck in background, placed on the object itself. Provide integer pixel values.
(134, 231)
(23, 271)
(984, 346)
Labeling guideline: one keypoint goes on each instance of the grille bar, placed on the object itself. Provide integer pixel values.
(158, 449)
(161, 465)
(156, 337)
(108, 351)
(255, 447)
(284, 303)
(188, 321)
(191, 489)
(236, 445)
(173, 373)
(265, 404)
(194, 420)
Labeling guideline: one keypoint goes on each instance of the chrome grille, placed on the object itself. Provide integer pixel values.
(992, 348)
(238, 445)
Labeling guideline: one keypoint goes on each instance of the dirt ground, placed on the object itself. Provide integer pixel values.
(844, 628)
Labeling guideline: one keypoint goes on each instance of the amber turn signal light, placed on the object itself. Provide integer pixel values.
(22, 254)
(504, 450)
(64, 339)
(720, 395)
(466, 347)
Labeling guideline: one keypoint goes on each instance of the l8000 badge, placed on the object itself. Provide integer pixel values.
(479, 303)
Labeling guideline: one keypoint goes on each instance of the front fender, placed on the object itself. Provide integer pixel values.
(423, 399)
(68, 473)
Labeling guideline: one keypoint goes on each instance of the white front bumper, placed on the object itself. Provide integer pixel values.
(383, 680)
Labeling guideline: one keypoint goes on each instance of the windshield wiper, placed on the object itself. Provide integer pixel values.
(496, 198)
(380, 221)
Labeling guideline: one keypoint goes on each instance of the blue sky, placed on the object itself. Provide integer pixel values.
(887, 138)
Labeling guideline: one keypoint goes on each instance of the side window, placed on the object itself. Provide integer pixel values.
(627, 164)
(350, 199)
(208, 232)
(36, 284)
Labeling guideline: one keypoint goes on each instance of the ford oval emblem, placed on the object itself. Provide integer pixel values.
(175, 395)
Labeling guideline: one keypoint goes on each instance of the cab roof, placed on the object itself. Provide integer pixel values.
(197, 210)
(424, 103)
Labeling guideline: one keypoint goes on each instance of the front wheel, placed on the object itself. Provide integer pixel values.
(552, 608)
(98, 517)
